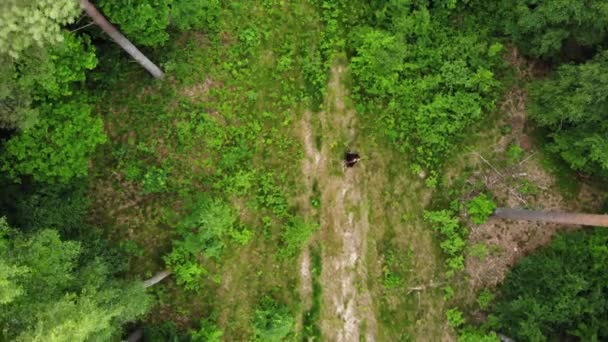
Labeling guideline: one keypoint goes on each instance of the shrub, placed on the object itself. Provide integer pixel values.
(296, 234)
(58, 147)
(480, 208)
(272, 321)
(154, 181)
(208, 332)
(455, 318)
(544, 28)
(203, 233)
(514, 153)
(453, 237)
(424, 81)
(485, 298)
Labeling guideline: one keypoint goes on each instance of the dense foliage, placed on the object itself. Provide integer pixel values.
(426, 81)
(558, 291)
(550, 28)
(148, 22)
(47, 292)
(272, 321)
(42, 76)
(572, 104)
(57, 148)
(26, 23)
(453, 237)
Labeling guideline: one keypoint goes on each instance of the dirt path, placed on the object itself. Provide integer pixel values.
(348, 310)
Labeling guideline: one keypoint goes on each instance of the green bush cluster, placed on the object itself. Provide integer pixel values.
(480, 208)
(272, 321)
(453, 237)
(147, 22)
(423, 79)
(203, 234)
(49, 288)
(57, 148)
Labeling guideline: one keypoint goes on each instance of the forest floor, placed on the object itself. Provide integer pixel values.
(508, 162)
(365, 213)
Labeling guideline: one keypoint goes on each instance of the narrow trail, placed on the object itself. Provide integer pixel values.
(348, 313)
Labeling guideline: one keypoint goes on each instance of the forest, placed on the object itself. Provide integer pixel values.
(306, 170)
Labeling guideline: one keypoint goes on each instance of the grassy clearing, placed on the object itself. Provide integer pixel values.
(220, 126)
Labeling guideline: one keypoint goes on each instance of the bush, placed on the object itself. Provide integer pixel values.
(203, 233)
(455, 318)
(208, 332)
(154, 181)
(484, 299)
(295, 235)
(272, 321)
(453, 237)
(480, 208)
(423, 80)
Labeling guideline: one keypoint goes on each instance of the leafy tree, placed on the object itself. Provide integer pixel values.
(573, 105)
(42, 75)
(57, 148)
(544, 28)
(48, 294)
(27, 23)
(147, 21)
(480, 208)
(558, 291)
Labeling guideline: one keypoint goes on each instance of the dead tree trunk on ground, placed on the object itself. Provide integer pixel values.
(554, 217)
(157, 278)
(121, 40)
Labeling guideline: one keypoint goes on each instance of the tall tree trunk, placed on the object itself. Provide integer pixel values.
(157, 278)
(555, 217)
(121, 40)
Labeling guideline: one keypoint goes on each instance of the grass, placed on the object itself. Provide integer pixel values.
(311, 325)
(220, 124)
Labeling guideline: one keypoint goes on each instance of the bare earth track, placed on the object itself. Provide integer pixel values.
(343, 220)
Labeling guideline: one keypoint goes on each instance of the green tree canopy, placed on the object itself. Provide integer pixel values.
(26, 23)
(42, 75)
(146, 22)
(57, 148)
(48, 294)
(560, 290)
(573, 105)
(542, 28)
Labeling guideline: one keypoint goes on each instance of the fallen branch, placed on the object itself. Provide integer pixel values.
(418, 288)
(489, 164)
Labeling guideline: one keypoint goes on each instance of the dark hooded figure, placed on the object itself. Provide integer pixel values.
(351, 158)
